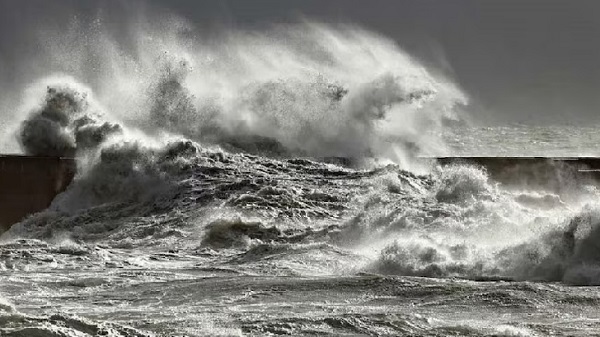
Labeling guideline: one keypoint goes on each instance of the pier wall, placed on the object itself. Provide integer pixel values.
(534, 172)
(29, 184)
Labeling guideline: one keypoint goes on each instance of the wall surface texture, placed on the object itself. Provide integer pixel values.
(29, 184)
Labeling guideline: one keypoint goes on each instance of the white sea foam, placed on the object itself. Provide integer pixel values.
(209, 157)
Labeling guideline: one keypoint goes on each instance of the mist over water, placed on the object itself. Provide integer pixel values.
(292, 151)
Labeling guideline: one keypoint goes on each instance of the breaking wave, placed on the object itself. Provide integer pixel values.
(301, 90)
(292, 151)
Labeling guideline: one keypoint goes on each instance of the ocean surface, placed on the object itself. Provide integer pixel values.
(283, 186)
(239, 244)
(560, 141)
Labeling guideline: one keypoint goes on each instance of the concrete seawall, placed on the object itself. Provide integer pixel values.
(29, 184)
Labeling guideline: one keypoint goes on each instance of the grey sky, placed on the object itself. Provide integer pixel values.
(519, 60)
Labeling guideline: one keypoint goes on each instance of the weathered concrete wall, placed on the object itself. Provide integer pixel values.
(29, 184)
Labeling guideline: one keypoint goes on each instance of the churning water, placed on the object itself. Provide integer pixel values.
(274, 183)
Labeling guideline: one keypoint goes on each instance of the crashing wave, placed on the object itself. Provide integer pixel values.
(203, 135)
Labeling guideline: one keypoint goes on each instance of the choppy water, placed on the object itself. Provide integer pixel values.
(292, 197)
(241, 244)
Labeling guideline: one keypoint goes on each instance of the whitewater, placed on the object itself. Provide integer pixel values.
(280, 182)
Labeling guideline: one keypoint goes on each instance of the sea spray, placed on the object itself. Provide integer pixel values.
(298, 90)
(66, 119)
(201, 129)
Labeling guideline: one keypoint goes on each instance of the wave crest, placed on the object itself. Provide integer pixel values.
(299, 90)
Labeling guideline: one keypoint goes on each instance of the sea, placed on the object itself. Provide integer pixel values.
(286, 184)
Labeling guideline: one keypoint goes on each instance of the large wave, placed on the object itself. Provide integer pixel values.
(467, 225)
(304, 90)
(307, 90)
(180, 136)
